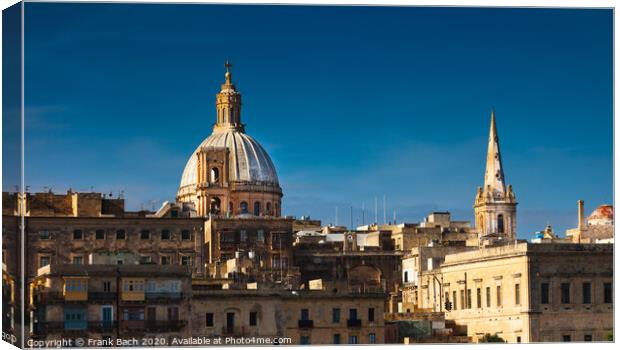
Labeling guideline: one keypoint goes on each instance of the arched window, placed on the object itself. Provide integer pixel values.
(500, 223)
(268, 208)
(256, 208)
(215, 175)
(216, 205)
(243, 206)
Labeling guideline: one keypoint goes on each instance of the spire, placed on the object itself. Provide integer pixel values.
(228, 105)
(494, 175)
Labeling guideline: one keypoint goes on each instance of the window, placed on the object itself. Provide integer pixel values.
(120, 234)
(517, 294)
(215, 175)
(587, 293)
(305, 315)
(145, 234)
(78, 260)
(256, 208)
(454, 300)
(566, 338)
(565, 292)
(260, 237)
(77, 234)
(336, 315)
(165, 260)
(165, 234)
(243, 206)
(174, 213)
(587, 337)
(107, 287)
(75, 318)
(209, 319)
(133, 314)
(253, 318)
(75, 285)
(186, 235)
(185, 260)
(44, 261)
(100, 234)
(304, 340)
(372, 338)
(353, 314)
(371, 314)
(336, 338)
(488, 296)
(145, 259)
(243, 235)
(518, 339)
(499, 295)
(462, 300)
(353, 339)
(133, 286)
(607, 295)
(478, 298)
(45, 234)
(544, 293)
(500, 223)
(406, 277)
(469, 298)
(173, 313)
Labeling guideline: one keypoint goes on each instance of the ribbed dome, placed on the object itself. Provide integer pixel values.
(602, 215)
(248, 159)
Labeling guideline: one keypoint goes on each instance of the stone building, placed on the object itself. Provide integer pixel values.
(99, 302)
(495, 206)
(269, 239)
(525, 292)
(329, 315)
(230, 173)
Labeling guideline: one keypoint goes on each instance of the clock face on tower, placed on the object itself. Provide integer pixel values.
(350, 238)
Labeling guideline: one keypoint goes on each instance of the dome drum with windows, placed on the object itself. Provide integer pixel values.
(230, 173)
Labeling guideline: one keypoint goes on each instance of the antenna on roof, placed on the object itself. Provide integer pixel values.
(376, 220)
(336, 216)
(351, 216)
(384, 211)
(363, 214)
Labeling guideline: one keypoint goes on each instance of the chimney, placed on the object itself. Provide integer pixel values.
(580, 214)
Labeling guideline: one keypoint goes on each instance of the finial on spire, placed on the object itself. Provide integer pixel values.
(228, 65)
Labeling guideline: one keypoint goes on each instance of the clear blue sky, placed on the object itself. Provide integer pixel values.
(350, 102)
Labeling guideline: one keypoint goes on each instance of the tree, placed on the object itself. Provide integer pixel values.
(488, 338)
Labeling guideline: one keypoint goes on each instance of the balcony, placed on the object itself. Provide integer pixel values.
(305, 324)
(234, 331)
(165, 326)
(49, 297)
(164, 297)
(354, 323)
(101, 326)
(102, 296)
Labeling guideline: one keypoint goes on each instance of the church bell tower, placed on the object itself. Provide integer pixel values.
(495, 207)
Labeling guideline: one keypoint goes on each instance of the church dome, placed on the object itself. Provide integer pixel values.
(603, 215)
(248, 160)
(230, 173)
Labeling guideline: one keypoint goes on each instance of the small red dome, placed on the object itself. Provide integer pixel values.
(603, 212)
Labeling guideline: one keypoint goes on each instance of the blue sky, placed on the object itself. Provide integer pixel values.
(352, 103)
